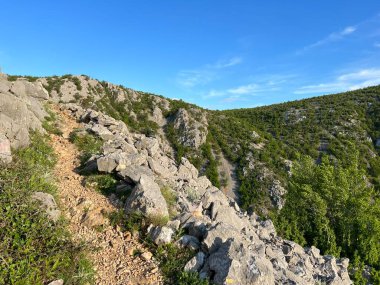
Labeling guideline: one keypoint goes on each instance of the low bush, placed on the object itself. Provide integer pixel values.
(86, 143)
(172, 261)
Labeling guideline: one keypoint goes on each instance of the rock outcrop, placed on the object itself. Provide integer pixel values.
(277, 193)
(233, 247)
(192, 131)
(21, 110)
(146, 198)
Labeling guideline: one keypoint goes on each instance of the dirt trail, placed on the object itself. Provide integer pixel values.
(111, 251)
(232, 183)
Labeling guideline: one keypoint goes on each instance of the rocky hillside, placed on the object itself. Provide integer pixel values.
(172, 162)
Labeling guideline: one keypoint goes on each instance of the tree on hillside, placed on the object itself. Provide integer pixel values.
(333, 208)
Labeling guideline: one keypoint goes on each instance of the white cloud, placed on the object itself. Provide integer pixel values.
(319, 88)
(232, 98)
(254, 88)
(244, 89)
(191, 78)
(363, 74)
(333, 37)
(213, 93)
(205, 74)
(265, 84)
(348, 81)
(228, 63)
(348, 30)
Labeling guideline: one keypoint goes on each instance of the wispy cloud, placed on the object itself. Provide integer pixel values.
(213, 93)
(348, 81)
(333, 37)
(227, 63)
(191, 78)
(243, 92)
(244, 89)
(207, 73)
(232, 98)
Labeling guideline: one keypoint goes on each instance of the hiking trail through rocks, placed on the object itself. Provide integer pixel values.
(112, 252)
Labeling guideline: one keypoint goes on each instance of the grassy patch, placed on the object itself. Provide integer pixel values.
(50, 124)
(170, 198)
(103, 183)
(33, 249)
(190, 278)
(172, 261)
(133, 222)
(87, 144)
(156, 220)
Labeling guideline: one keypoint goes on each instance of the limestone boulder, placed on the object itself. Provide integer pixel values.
(160, 235)
(133, 173)
(146, 198)
(186, 170)
(196, 263)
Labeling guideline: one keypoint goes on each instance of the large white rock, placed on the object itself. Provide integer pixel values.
(161, 235)
(146, 198)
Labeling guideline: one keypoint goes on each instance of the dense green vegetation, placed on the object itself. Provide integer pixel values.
(323, 125)
(35, 250)
(332, 207)
(333, 192)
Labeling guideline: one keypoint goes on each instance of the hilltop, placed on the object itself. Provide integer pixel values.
(311, 166)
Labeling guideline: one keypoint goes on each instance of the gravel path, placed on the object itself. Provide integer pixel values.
(111, 251)
(232, 187)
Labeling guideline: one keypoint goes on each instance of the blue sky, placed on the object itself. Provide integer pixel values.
(218, 54)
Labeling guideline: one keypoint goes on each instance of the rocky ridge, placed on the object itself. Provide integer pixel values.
(111, 251)
(234, 247)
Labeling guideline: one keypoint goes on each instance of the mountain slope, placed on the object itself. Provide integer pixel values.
(267, 148)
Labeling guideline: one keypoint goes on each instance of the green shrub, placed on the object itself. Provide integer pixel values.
(172, 261)
(104, 183)
(191, 278)
(156, 220)
(77, 83)
(54, 83)
(86, 143)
